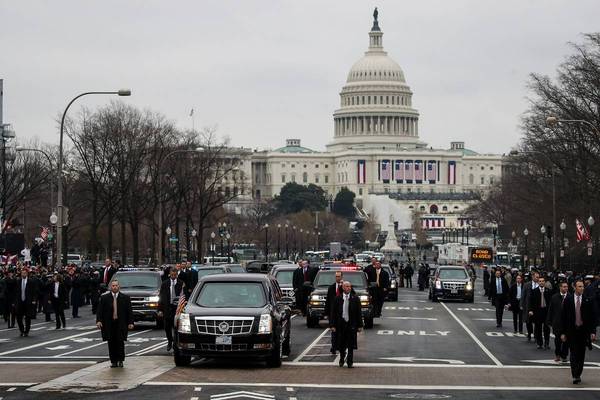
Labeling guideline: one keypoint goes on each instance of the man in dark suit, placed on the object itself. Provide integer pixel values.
(170, 291)
(304, 273)
(514, 298)
(58, 298)
(334, 290)
(381, 279)
(526, 302)
(25, 297)
(578, 328)
(190, 279)
(538, 311)
(561, 349)
(499, 294)
(115, 319)
(346, 321)
(108, 271)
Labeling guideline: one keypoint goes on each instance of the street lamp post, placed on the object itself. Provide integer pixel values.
(563, 227)
(159, 256)
(266, 242)
(301, 242)
(591, 250)
(542, 255)
(553, 121)
(295, 247)
(59, 203)
(228, 237)
(279, 241)
(526, 256)
(287, 243)
(212, 247)
(194, 245)
(168, 232)
(468, 229)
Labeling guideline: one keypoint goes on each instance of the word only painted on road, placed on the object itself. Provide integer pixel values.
(412, 333)
(474, 309)
(408, 308)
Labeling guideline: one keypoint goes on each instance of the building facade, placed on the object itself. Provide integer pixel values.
(377, 153)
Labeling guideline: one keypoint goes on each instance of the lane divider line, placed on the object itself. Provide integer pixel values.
(310, 346)
(475, 339)
(96, 345)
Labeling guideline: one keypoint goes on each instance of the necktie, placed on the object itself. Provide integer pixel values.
(498, 286)
(106, 275)
(115, 315)
(563, 298)
(337, 289)
(305, 274)
(345, 313)
(378, 277)
(543, 303)
(172, 290)
(23, 285)
(578, 320)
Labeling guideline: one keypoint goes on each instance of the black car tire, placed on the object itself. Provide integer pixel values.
(369, 322)
(274, 360)
(180, 359)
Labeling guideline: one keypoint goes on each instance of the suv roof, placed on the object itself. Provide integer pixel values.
(237, 278)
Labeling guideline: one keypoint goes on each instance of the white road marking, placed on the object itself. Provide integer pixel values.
(59, 347)
(242, 395)
(198, 389)
(193, 398)
(481, 346)
(47, 362)
(412, 359)
(34, 346)
(310, 346)
(415, 318)
(552, 362)
(148, 349)
(384, 387)
(20, 384)
(12, 389)
(320, 355)
(96, 345)
(289, 389)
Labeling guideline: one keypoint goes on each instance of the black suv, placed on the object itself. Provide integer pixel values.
(325, 277)
(234, 315)
(143, 287)
(451, 282)
(392, 294)
(284, 273)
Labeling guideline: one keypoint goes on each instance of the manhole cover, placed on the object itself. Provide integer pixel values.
(420, 396)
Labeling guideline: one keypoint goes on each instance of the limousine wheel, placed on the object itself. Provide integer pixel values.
(180, 359)
(274, 360)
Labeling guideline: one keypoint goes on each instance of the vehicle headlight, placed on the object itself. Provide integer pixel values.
(265, 325)
(469, 286)
(152, 299)
(393, 284)
(438, 284)
(184, 325)
(315, 297)
(364, 298)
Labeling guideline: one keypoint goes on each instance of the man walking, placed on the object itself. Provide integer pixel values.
(499, 293)
(526, 302)
(58, 298)
(25, 306)
(561, 349)
(381, 279)
(408, 274)
(540, 300)
(170, 291)
(514, 298)
(334, 290)
(108, 272)
(115, 318)
(578, 327)
(346, 322)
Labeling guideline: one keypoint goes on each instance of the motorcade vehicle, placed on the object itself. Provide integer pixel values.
(451, 282)
(318, 293)
(218, 259)
(205, 270)
(284, 273)
(234, 315)
(235, 268)
(142, 285)
(392, 294)
(259, 267)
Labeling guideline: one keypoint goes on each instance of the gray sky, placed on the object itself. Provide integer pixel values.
(263, 71)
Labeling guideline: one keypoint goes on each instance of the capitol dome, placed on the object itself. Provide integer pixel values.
(375, 103)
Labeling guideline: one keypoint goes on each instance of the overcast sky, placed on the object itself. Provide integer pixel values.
(263, 71)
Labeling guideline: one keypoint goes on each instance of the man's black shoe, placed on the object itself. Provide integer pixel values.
(576, 381)
(350, 365)
(169, 346)
(113, 365)
(26, 334)
(22, 334)
(342, 358)
(540, 347)
(120, 364)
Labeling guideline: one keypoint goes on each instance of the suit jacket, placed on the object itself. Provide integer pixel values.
(370, 272)
(63, 295)
(190, 278)
(515, 304)
(554, 313)
(164, 303)
(331, 295)
(298, 276)
(536, 303)
(105, 312)
(31, 294)
(354, 315)
(568, 326)
(493, 289)
(111, 271)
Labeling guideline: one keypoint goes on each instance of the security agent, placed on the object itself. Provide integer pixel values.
(346, 322)
(170, 291)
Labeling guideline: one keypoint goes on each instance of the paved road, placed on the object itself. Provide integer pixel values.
(419, 349)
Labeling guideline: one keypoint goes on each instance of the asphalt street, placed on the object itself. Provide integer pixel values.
(418, 349)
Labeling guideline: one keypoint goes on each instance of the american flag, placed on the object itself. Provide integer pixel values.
(180, 305)
(432, 171)
(418, 171)
(582, 233)
(399, 171)
(451, 172)
(409, 172)
(385, 171)
(44, 234)
(362, 172)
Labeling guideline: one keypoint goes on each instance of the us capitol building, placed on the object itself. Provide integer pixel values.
(377, 153)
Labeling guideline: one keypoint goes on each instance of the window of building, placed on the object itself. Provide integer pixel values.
(235, 191)
(471, 179)
(326, 178)
(491, 168)
(304, 165)
(360, 191)
(293, 177)
(386, 190)
(282, 165)
(482, 167)
(491, 179)
(444, 208)
(374, 99)
(326, 165)
(380, 99)
(282, 178)
(408, 190)
(433, 209)
(227, 191)
(316, 178)
(387, 99)
(368, 99)
(316, 165)
(411, 208)
(422, 208)
(304, 177)
(456, 207)
(293, 165)
(483, 180)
